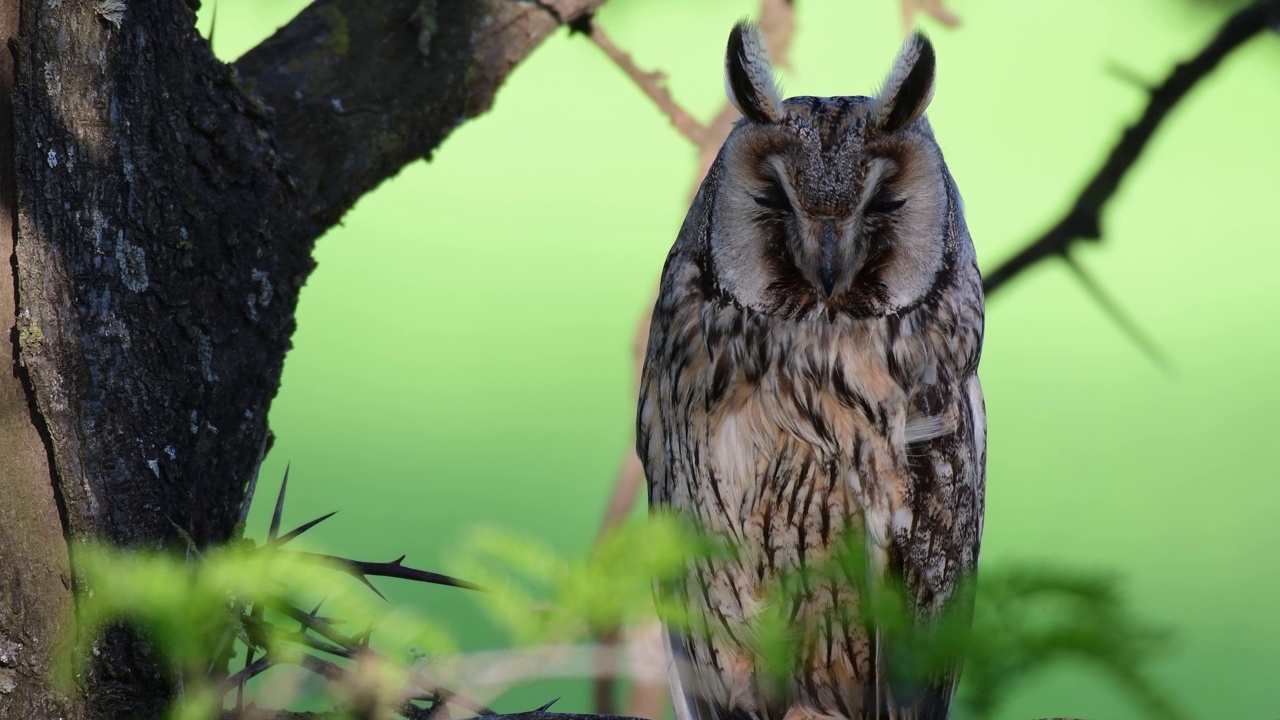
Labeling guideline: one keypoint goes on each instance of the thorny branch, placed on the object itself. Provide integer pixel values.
(1083, 220)
(361, 570)
(317, 633)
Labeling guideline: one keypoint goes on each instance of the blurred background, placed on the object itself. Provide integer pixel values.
(464, 348)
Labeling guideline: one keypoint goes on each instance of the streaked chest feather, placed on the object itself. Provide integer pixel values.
(803, 418)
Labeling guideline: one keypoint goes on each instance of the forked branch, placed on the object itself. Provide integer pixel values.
(360, 88)
(1083, 220)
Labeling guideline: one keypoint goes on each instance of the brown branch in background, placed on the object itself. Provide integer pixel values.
(653, 84)
(777, 24)
(933, 8)
(1083, 220)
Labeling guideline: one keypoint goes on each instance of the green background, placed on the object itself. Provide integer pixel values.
(463, 353)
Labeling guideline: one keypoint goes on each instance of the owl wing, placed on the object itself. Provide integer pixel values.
(672, 385)
(674, 362)
(934, 549)
(938, 553)
(670, 408)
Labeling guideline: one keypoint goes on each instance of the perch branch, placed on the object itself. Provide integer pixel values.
(1083, 220)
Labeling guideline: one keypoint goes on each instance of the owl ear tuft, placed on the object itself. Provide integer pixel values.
(748, 77)
(909, 88)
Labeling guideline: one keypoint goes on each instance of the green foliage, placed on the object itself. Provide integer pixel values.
(195, 608)
(1027, 618)
(536, 596)
(1011, 623)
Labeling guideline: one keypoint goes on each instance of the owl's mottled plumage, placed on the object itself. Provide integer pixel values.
(812, 370)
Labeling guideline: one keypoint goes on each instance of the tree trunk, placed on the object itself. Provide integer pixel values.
(164, 206)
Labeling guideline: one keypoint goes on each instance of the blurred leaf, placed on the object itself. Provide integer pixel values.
(537, 597)
(187, 609)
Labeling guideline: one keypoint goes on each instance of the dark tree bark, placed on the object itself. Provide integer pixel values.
(164, 206)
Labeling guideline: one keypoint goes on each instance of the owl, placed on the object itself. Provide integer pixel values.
(811, 375)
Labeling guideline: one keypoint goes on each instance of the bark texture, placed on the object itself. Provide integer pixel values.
(35, 588)
(165, 207)
(155, 295)
(359, 87)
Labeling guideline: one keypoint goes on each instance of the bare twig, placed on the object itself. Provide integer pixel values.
(361, 570)
(1083, 220)
(300, 637)
(1109, 305)
(299, 530)
(653, 84)
(777, 24)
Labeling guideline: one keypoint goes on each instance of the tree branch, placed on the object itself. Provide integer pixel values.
(1083, 220)
(360, 88)
(653, 84)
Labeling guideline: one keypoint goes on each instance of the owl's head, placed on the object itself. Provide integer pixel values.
(836, 204)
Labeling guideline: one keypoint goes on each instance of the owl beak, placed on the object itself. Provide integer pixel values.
(830, 244)
(842, 257)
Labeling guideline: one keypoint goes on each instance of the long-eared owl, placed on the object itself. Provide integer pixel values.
(812, 372)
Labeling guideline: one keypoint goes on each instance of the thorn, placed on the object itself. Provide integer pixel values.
(1128, 75)
(316, 609)
(361, 577)
(1122, 319)
(274, 530)
(546, 707)
(398, 560)
(301, 529)
(361, 639)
